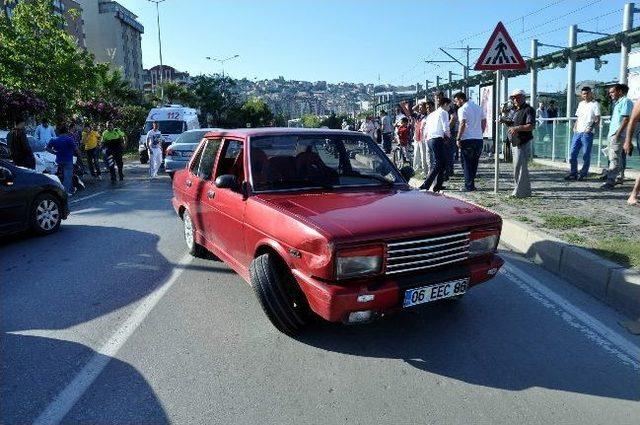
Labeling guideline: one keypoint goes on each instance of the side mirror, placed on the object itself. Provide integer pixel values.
(6, 176)
(407, 172)
(227, 181)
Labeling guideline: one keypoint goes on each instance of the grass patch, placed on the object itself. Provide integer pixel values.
(523, 219)
(575, 238)
(536, 165)
(623, 251)
(563, 222)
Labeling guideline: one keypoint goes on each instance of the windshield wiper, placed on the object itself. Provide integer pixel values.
(376, 177)
(309, 182)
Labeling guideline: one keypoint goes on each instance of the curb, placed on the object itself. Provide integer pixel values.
(615, 285)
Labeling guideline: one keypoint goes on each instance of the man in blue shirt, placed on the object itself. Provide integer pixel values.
(64, 147)
(617, 128)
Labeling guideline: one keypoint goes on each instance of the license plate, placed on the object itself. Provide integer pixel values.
(435, 292)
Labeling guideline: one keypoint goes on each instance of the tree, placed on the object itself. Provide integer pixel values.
(18, 104)
(178, 93)
(38, 55)
(216, 98)
(112, 87)
(311, 121)
(254, 113)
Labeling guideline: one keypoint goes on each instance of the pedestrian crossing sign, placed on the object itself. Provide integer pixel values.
(500, 52)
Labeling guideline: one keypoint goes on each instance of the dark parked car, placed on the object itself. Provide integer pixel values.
(30, 200)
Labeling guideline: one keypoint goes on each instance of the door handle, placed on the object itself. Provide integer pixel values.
(211, 194)
(189, 183)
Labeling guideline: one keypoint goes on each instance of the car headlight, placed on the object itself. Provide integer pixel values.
(359, 261)
(483, 241)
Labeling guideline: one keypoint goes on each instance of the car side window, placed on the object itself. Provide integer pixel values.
(232, 160)
(195, 163)
(208, 159)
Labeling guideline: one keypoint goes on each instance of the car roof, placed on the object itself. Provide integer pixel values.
(276, 131)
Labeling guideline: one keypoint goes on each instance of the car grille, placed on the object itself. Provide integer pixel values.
(426, 253)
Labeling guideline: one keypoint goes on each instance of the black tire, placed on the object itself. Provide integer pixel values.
(144, 157)
(46, 214)
(281, 298)
(171, 175)
(193, 247)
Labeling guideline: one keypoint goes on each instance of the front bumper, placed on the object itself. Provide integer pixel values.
(334, 302)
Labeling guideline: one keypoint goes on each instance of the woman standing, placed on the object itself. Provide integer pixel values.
(19, 147)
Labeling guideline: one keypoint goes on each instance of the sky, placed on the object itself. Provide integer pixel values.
(366, 41)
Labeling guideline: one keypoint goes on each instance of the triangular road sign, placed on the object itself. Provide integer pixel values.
(500, 52)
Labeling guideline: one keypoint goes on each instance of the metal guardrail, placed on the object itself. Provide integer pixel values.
(555, 143)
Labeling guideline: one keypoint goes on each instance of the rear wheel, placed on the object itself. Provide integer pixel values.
(280, 296)
(193, 247)
(46, 214)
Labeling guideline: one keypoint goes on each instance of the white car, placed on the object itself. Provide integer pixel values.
(45, 161)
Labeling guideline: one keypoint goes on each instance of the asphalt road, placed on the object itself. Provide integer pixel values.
(108, 321)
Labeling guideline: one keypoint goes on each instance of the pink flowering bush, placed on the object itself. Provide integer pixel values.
(98, 111)
(18, 103)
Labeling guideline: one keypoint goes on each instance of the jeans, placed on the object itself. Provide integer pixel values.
(386, 142)
(92, 160)
(67, 176)
(439, 166)
(470, 151)
(579, 141)
(452, 149)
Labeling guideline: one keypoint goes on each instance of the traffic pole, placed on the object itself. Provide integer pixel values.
(496, 133)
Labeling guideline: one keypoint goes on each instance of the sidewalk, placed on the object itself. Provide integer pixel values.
(589, 236)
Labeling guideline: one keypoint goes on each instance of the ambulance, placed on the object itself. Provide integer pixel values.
(173, 120)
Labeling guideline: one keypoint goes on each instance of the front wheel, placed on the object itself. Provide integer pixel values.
(281, 298)
(46, 214)
(193, 247)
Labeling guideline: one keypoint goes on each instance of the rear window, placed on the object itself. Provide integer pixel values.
(191, 137)
(167, 127)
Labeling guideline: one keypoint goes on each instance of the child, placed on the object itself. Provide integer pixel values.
(403, 132)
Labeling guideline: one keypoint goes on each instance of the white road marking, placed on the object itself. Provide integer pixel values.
(69, 396)
(593, 329)
(87, 197)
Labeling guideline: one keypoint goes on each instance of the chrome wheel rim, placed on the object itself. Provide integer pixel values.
(47, 214)
(188, 231)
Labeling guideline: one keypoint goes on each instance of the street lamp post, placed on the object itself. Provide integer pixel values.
(157, 2)
(222, 61)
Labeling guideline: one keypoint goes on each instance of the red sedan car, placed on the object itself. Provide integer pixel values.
(320, 221)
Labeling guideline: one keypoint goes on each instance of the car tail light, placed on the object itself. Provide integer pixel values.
(359, 261)
(483, 241)
(169, 152)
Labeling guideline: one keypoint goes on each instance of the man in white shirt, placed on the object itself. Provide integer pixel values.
(437, 129)
(387, 131)
(154, 144)
(588, 114)
(368, 127)
(472, 123)
(44, 133)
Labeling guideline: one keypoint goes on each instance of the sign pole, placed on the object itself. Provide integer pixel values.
(496, 134)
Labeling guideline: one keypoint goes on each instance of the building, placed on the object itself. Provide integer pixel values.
(71, 11)
(113, 35)
(151, 76)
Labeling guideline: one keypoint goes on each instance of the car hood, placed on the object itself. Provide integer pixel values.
(381, 214)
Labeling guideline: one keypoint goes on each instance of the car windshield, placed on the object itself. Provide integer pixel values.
(191, 137)
(167, 127)
(290, 162)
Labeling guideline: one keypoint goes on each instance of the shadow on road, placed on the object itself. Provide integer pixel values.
(489, 341)
(73, 279)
